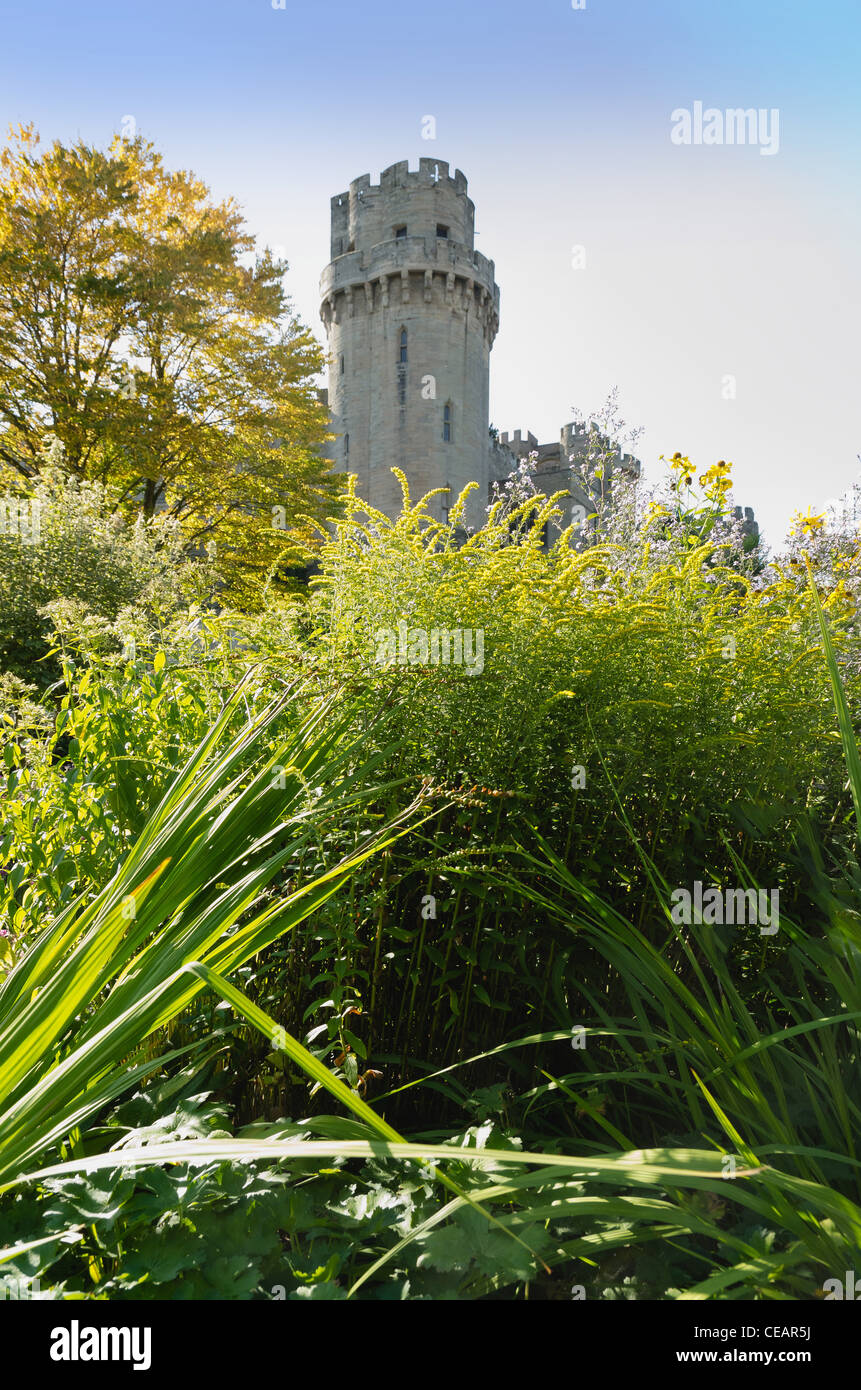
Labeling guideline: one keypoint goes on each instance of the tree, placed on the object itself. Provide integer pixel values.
(168, 371)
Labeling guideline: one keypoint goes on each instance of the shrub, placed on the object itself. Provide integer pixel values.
(64, 541)
(685, 688)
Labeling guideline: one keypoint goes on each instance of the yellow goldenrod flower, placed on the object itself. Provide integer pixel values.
(809, 525)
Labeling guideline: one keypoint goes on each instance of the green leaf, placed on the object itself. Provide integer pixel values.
(844, 718)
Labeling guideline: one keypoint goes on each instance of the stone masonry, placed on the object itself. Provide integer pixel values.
(411, 310)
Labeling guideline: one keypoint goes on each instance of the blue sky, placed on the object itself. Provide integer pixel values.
(700, 262)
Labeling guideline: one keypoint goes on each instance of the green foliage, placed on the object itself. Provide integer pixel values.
(72, 547)
(683, 683)
(111, 970)
(224, 1231)
(701, 1144)
(693, 699)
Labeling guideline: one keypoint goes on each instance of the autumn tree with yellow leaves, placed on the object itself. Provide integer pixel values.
(138, 351)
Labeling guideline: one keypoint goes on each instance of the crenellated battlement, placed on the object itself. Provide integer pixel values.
(399, 175)
(557, 457)
(519, 440)
(422, 201)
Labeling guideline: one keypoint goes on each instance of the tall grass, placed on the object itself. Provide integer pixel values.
(195, 889)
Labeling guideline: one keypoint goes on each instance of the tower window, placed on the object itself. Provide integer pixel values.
(342, 364)
(403, 354)
(441, 230)
(346, 446)
(400, 231)
(446, 424)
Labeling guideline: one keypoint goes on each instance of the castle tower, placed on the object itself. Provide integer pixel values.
(411, 310)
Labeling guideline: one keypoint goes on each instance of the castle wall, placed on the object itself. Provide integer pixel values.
(404, 261)
(386, 412)
(559, 467)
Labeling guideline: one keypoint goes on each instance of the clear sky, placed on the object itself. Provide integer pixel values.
(702, 262)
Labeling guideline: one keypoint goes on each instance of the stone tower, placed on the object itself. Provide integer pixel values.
(411, 310)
